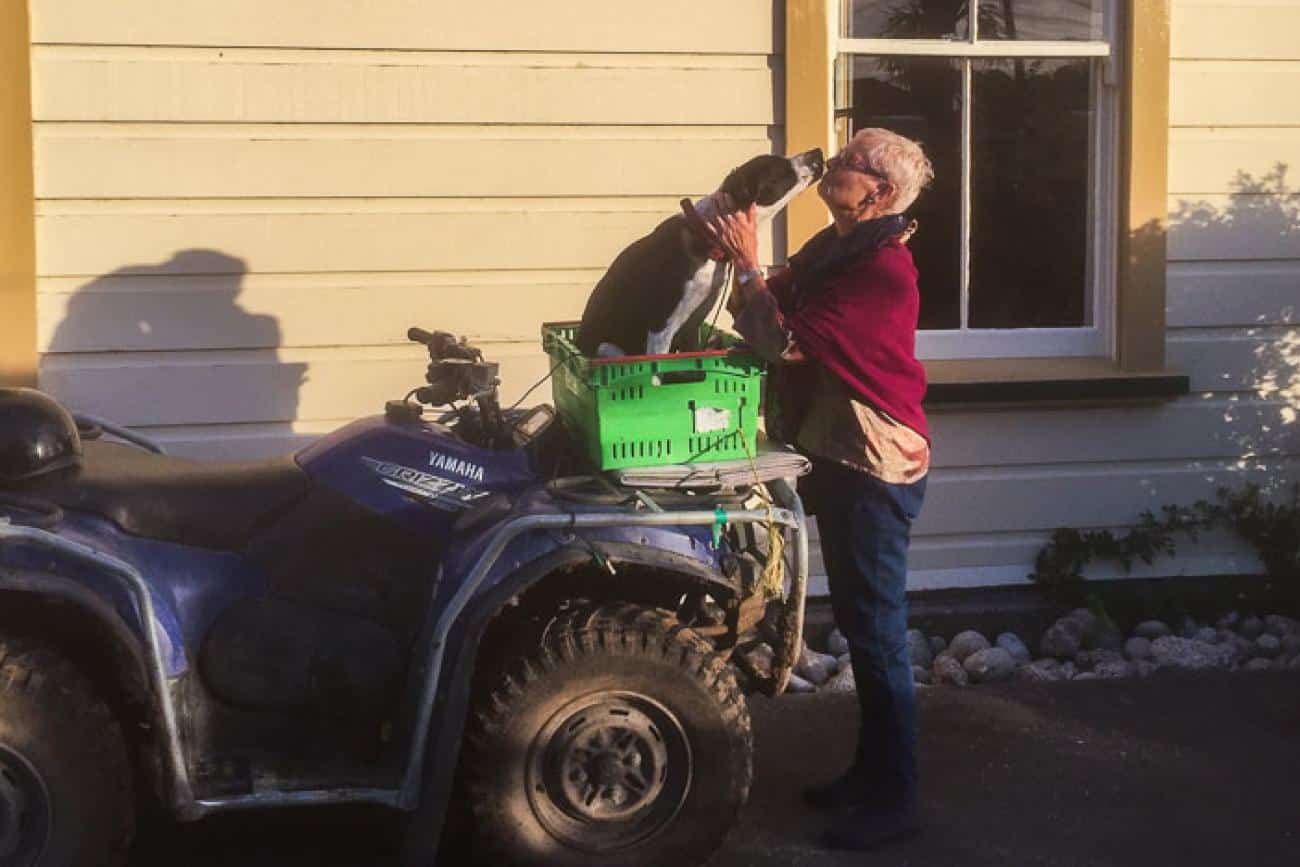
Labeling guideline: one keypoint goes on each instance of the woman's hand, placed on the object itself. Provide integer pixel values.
(737, 235)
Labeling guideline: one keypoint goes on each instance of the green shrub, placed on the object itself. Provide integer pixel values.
(1272, 528)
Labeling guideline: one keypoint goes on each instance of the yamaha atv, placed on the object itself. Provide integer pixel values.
(440, 613)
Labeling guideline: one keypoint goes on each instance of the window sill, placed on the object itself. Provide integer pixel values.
(1072, 381)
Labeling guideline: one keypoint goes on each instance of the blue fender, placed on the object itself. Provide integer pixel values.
(528, 560)
(188, 587)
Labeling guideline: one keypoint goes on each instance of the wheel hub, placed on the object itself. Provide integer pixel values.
(24, 810)
(609, 770)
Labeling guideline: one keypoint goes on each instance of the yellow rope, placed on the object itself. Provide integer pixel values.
(773, 583)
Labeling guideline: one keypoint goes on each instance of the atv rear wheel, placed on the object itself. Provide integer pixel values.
(623, 741)
(65, 784)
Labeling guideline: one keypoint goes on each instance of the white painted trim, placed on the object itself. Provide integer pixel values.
(1011, 343)
(990, 48)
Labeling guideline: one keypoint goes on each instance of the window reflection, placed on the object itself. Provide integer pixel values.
(905, 19)
(1029, 193)
(1041, 19)
(919, 97)
(1066, 20)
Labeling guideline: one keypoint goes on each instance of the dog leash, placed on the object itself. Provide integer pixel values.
(701, 231)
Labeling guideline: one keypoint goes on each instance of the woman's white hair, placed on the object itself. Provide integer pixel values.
(899, 159)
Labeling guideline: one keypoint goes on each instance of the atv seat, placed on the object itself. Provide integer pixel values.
(218, 505)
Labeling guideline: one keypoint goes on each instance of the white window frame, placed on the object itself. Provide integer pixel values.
(1099, 338)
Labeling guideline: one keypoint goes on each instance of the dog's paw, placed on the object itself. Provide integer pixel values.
(609, 350)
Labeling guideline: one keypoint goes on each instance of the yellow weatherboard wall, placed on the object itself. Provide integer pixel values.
(240, 214)
(17, 235)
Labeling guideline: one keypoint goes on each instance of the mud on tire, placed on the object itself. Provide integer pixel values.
(65, 784)
(623, 740)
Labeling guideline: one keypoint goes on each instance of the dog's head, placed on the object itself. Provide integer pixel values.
(771, 181)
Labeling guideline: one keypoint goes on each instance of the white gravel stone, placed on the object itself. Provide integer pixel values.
(937, 645)
(1152, 629)
(921, 675)
(1011, 643)
(1041, 670)
(948, 670)
(1268, 646)
(966, 643)
(842, 682)
(1173, 652)
(837, 644)
(1258, 665)
(1113, 669)
(1103, 634)
(1068, 671)
(918, 648)
(1062, 640)
(814, 667)
(1251, 627)
(798, 685)
(1138, 647)
(1242, 648)
(1144, 668)
(1086, 675)
(1206, 635)
(1276, 624)
(1084, 618)
(844, 661)
(990, 665)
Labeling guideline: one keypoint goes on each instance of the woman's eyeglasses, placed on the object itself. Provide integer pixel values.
(852, 164)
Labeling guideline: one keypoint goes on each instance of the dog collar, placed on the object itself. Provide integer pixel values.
(701, 231)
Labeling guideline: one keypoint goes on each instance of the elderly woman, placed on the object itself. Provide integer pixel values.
(841, 323)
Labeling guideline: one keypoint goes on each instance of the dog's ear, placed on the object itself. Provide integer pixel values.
(764, 180)
(741, 187)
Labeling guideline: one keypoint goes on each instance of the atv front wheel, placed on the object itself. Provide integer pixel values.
(65, 784)
(623, 741)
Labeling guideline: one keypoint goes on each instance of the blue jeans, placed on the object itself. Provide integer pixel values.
(865, 526)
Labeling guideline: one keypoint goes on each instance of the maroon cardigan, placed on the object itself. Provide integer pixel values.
(858, 320)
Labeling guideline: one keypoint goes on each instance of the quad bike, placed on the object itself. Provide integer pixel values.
(436, 614)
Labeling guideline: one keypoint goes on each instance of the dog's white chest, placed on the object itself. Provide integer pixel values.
(694, 293)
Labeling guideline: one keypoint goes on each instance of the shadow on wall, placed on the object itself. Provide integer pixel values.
(167, 345)
(1260, 222)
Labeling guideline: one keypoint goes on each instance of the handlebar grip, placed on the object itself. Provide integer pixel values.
(419, 335)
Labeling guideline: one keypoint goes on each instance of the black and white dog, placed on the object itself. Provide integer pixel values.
(657, 292)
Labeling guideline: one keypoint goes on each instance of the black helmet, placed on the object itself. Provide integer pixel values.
(37, 435)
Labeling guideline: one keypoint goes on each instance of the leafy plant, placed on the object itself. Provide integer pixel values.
(1273, 528)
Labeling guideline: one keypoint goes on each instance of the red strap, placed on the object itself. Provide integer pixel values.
(701, 231)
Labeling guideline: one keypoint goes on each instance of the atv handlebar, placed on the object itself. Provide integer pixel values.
(457, 371)
(444, 344)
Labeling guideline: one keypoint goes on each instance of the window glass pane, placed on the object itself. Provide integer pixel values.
(920, 97)
(1030, 180)
(1041, 19)
(904, 19)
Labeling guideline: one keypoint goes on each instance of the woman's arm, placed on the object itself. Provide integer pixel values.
(754, 303)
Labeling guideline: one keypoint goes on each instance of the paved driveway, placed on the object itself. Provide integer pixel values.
(1190, 770)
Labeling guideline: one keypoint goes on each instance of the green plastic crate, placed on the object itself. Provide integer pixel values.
(650, 410)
